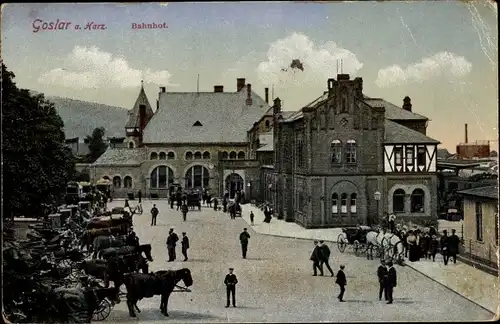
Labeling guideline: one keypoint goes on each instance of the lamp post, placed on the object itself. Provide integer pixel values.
(377, 195)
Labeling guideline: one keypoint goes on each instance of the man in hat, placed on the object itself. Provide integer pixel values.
(453, 246)
(382, 277)
(171, 241)
(316, 258)
(325, 256)
(154, 213)
(391, 282)
(444, 246)
(244, 236)
(230, 281)
(185, 245)
(342, 282)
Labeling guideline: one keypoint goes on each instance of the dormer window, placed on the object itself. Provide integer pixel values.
(197, 123)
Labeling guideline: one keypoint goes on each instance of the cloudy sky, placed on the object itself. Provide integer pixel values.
(441, 54)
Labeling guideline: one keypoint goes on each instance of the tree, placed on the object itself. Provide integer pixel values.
(97, 146)
(36, 163)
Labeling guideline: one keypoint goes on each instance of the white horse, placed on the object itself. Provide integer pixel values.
(388, 245)
(374, 240)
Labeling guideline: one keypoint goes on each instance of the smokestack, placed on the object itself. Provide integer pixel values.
(162, 89)
(466, 135)
(407, 103)
(218, 88)
(240, 83)
(142, 119)
(266, 90)
(249, 95)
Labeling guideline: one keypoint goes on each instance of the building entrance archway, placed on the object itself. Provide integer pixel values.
(234, 184)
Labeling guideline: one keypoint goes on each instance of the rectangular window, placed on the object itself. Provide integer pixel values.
(353, 205)
(398, 156)
(421, 156)
(351, 153)
(336, 154)
(479, 221)
(343, 205)
(410, 157)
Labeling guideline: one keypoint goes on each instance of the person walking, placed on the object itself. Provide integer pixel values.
(342, 282)
(316, 258)
(392, 223)
(325, 256)
(216, 203)
(433, 247)
(230, 281)
(171, 242)
(391, 282)
(139, 196)
(453, 246)
(444, 246)
(382, 277)
(154, 213)
(184, 210)
(185, 245)
(251, 218)
(244, 236)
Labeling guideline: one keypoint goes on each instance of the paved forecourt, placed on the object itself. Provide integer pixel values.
(275, 282)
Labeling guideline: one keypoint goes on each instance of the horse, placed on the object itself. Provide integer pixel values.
(110, 252)
(88, 236)
(388, 244)
(105, 221)
(162, 283)
(103, 242)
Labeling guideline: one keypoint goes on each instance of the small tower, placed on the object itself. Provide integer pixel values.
(138, 118)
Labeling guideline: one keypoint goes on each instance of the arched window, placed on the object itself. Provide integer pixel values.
(398, 201)
(417, 201)
(106, 178)
(335, 203)
(130, 144)
(117, 182)
(343, 203)
(232, 155)
(206, 155)
(267, 124)
(225, 155)
(170, 155)
(153, 156)
(189, 155)
(197, 156)
(241, 155)
(162, 156)
(336, 147)
(161, 177)
(350, 151)
(353, 203)
(197, 177)
(127, 182)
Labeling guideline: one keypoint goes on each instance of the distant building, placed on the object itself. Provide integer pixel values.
(481, 232)
(477, 149)
(332, 156)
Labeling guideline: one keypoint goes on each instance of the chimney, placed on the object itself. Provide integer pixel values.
(162, 89)
(218, 88)
(240, 83)
(407, 103)
(466, 135)
(248, 101)
(342, 77)
(266, 90)
(142, 120)
(277, 106)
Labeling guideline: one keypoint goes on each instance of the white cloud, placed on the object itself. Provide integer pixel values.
(92, 68)
(319, 61)
(442, 64)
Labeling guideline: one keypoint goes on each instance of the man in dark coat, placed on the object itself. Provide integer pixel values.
(171, 242)
(185, 245)
(230, 281)
(382, 277)
(316, 258)
(453, 246)
(342, 282)
(252, 216)
(244, 236)
(433, 247)
(132, 239)
(216, 203)
(325, 256)
(139, 196)
(391, 282)
(444, 246)
(154, 213)
(184, 210)
(172, 200)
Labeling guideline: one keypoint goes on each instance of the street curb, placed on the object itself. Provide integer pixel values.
(290, 237)
(451, 289)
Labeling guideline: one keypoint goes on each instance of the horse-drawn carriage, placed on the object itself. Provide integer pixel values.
(193, 200)
(353, 237)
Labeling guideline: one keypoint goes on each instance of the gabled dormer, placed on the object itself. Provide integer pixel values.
(138, 118)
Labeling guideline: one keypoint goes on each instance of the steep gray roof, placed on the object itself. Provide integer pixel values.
(121, 156)
(392, 111)
(399, 134)
(486, 192)
(225, 117)
(133, 115)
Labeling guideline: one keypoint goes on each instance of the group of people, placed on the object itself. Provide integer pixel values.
(387, 279)
(426, 245)
(172, 240)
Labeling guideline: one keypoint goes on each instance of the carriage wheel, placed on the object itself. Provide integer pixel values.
(103, 310)
(341, 244)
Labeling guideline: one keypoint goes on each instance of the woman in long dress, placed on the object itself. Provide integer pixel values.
(412, 246)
